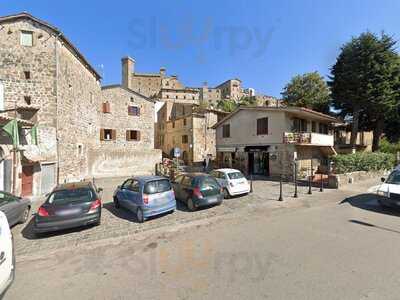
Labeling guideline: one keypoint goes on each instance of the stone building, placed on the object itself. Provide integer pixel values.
(45, 81)
(125, 144)
(189, 128)
(266, 140)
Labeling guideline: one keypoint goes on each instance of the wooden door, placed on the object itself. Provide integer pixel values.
(27, 180)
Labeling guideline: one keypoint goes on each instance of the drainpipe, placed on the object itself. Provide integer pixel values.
(56, 88)
(15, 149)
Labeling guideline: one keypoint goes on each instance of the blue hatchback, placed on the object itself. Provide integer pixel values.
(145, 196)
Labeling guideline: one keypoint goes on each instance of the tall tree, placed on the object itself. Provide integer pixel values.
(308, 90)
(365, 81)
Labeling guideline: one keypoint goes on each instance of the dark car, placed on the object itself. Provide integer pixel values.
(145, 196)
(197, 189)
(67, 206)
(15, 208)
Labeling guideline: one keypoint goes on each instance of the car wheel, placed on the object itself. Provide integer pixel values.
(139, 215)
(25, 215)
(226, 194)
(116, 203)
(190, 204)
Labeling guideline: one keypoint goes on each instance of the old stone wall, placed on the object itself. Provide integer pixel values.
(122, 156)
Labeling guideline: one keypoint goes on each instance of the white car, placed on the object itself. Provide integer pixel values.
(7, 258)
(233, 182)
(389, 190)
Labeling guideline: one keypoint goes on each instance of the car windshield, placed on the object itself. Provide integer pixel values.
(157, 186)
(394, 177)
(71, 195)
(235, 175)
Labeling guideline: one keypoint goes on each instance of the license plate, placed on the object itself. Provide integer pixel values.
(68, 212)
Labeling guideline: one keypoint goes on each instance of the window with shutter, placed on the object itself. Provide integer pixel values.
(226, 131)
(107, 134)
(106, 107)
(133, 135)
(262, 126)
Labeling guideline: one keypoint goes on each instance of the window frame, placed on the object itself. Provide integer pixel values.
(226, 131)
(26, 32)
(262, 126)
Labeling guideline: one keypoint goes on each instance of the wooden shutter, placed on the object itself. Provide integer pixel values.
(114, 134)
(101, 134)
(128, 136)
(262, 126)
(138, 135)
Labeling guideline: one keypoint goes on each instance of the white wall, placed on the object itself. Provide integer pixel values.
(244, 128)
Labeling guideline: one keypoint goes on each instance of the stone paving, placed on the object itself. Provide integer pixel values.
(119, 223)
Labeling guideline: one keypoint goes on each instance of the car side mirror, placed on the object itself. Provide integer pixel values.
(383, 179)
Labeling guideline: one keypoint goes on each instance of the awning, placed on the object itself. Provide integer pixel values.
(226, 149)
(32, 153)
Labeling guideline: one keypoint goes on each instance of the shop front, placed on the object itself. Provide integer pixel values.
(258, 160)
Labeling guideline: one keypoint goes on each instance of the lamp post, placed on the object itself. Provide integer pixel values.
(280, 188)
(295, 179)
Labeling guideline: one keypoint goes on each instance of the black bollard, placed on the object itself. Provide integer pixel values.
(295, 180)
(280, 189)
(309, 184)
(321, 189)
(251, 183)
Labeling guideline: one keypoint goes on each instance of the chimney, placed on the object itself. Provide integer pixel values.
(128, 69)
(162, 71)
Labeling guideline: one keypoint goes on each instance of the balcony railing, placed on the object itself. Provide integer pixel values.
(308, 138)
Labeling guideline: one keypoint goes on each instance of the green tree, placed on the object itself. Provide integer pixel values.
(308, 90)
(365, 83)
(226, 105)
(248, 101)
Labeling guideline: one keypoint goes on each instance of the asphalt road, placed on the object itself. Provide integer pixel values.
(344, 248)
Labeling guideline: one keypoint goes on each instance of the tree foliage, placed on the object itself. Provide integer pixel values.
(365, 82)
(308, 90)
(226, 105)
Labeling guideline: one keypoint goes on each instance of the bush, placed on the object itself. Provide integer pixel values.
(368, 161)
(388, 147)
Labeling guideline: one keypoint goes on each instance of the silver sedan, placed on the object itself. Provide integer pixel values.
(15, 208)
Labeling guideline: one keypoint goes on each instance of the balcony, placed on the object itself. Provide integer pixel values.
(308, 138)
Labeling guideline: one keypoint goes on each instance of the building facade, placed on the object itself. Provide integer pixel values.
(189, 128)
(267, 140)
(47, 83)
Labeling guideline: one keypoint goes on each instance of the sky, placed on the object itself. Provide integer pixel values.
(264, 43)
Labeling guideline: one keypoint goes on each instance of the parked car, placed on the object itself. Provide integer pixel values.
(197, 189)
(145, 196)
(232, 180)
(15, 208)
(69, 205)
(389, 190)
(7, 258)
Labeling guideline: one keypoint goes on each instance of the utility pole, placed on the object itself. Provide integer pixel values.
(15, 146)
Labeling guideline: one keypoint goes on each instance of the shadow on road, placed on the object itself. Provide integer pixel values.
(27, 231)
(370, 202)
(125, 214)
(373, 226)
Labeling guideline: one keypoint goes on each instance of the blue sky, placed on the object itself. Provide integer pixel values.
(264, 43)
